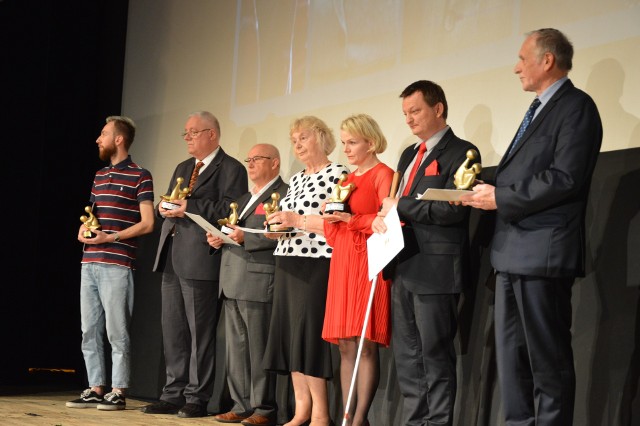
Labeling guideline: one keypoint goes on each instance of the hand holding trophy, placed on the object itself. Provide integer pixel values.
(91, 222)
(231, 220)
(176, 194)
(337, 203)
(271, 208)
(465, 176)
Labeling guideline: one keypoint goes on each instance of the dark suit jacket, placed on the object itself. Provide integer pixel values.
(222, 182)
(542, 188)
(434, 259)
(247, 271)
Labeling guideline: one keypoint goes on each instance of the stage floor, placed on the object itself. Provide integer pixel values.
(48, 408)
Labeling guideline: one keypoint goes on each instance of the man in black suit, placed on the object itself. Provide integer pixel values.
(246, 282)
(189, 273)
(432, 268)
(539, 194)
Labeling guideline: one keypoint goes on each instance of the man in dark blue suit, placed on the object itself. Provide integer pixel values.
(539, 194)
(432, 268)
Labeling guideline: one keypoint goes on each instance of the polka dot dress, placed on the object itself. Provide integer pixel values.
(305, 196)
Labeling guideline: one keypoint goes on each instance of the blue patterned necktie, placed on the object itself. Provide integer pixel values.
(525, 122)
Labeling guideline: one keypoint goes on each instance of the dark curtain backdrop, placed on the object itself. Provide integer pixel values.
(61, 76)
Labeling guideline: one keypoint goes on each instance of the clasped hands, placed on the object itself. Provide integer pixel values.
(336, 216)
(177, 212)
(237, 235)
(99, 238)
(483, 196)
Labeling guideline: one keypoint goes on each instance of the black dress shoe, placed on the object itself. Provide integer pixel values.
(160, 407)
(193, 410)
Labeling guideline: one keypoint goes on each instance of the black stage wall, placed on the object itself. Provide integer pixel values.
(62, 75)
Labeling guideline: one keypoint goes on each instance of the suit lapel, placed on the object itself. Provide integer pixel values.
(209, 171)
(266, 197)
(242, 202)
(405, 159)
(433, 155)
(535, 123)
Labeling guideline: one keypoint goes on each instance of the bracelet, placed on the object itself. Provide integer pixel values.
(304, 222)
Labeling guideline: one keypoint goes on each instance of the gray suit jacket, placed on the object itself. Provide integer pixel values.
(542, 188)
(247, 271)
(221, 182)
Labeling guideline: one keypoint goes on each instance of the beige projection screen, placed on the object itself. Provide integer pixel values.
(257, 64)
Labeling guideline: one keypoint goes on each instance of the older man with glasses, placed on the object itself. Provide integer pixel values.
(189, 273)
(246, 284)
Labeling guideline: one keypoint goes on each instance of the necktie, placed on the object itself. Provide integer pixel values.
(194, 176)
(421, 150)
(525, 122)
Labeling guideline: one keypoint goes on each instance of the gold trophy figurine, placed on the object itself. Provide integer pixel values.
(90, 222)
(337, 203)
(465, 176)
(270, 208)
(231, 220)
(176, 194)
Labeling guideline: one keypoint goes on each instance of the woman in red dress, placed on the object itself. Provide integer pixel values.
(349, 285)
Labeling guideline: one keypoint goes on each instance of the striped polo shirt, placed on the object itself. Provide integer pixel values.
(116, 196)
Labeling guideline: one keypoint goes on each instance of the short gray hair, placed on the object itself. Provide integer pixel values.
(555, 42)
(209, 118)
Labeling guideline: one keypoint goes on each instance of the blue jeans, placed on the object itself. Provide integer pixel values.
(106, 299)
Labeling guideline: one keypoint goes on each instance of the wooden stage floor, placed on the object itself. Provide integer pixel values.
(48, 408)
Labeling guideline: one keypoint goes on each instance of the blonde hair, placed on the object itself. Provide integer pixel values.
(319, 128)
(366, 127)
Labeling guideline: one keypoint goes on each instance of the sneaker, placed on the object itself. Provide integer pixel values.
(113, 401)
(88, 399)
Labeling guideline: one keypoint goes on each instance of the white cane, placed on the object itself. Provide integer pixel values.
(355, 369)
(392, 193)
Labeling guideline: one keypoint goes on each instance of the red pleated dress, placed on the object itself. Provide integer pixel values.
(349, 286)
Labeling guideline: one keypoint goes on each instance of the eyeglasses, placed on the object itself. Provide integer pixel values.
(193, 133)
(256, 158)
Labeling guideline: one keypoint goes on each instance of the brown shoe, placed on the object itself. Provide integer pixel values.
(258, 420)
(231, 417)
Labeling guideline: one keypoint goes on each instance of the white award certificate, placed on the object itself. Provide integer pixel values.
(210, 228)
(436, 194)
(382, 248)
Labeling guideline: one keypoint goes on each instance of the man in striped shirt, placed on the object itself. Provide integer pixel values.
(122, 201)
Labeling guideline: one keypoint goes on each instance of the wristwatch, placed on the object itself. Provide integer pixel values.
(116, 237)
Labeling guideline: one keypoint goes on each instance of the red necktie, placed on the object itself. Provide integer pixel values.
(194, 176)
(421, 150)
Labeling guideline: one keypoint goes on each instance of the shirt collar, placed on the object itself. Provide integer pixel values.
(123, 164)
(433, 140)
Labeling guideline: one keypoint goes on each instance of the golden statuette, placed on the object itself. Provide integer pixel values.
(337, 203)
(272, 207)
(90, 222)
(176, 194)
(233, 216)
(465, 176)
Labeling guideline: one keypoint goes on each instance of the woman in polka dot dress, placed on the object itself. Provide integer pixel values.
(295, 343)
